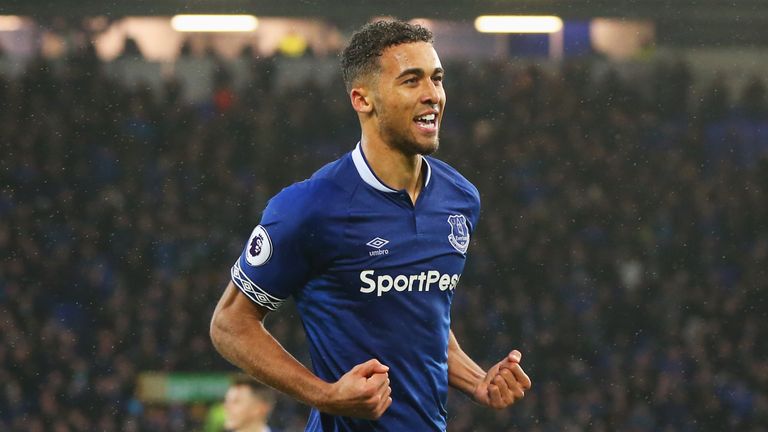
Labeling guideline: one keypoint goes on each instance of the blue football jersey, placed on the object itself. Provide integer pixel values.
(373, 276)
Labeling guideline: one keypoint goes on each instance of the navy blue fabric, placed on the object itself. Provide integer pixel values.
(373, 276)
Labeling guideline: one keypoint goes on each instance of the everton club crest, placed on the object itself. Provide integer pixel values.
(459, 236)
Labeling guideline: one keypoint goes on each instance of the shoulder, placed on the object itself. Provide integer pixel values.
(449, 174)
(310, 198)
(457, 189)
(337, 176)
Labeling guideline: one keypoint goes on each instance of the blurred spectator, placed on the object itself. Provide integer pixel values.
(131, 49)
(716, 101)
(247, 406)
(186, 48)
(753, 99)
(293, 45)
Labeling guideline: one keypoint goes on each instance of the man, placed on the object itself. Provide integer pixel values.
(371, 247)
(247, 406)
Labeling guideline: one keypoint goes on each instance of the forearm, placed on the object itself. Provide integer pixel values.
(463, 373)
(248, 345)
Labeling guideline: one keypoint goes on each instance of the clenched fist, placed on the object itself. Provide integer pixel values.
(363, 392)
(504, 383)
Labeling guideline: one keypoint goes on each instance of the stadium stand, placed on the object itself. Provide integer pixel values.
(623, 244)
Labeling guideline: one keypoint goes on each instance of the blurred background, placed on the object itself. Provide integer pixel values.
(620, 148)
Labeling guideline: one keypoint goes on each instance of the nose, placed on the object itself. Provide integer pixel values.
(432, 93)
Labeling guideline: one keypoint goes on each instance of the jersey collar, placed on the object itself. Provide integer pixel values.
(368, 176)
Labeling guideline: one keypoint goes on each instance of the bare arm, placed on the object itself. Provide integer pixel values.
(499, 387)
(463, 373)
(238, 333)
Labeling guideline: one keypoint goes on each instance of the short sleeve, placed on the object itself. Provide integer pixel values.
(476, 209)
(274, 262)
(474, 204)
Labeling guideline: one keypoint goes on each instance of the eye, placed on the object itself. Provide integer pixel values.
(437, 78)
(411, 80)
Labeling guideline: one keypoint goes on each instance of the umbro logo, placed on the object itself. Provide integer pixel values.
(378, 243)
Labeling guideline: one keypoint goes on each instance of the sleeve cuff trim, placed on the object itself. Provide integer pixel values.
(253, 291)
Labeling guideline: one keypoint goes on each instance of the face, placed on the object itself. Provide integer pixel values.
(409, 98)
(242, 408)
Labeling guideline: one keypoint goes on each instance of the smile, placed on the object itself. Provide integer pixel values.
(426, 122)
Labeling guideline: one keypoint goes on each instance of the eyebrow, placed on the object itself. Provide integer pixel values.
(418, 72)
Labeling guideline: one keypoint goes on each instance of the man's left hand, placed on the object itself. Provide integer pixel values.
(504, 384)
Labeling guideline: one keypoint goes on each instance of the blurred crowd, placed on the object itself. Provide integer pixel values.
(622, 248)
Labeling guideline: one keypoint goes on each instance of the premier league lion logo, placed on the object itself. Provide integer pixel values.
(259, 248)
(459, 237)
(256, 243)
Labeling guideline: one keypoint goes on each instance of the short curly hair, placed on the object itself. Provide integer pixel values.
(361, 56)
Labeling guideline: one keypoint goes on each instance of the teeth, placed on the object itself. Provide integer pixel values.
(428, 117)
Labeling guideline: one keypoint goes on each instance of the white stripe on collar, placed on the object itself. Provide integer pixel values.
(369, 177)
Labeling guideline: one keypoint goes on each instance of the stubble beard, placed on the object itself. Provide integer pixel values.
(403, 142)
(407, 145)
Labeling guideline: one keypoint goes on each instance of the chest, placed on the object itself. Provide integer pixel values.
(389, 255)
(395, 235)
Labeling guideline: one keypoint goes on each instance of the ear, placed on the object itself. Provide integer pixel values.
(362, 100)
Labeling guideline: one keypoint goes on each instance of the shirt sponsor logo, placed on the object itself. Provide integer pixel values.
(421, 282)
(259, 248)
(459, 236)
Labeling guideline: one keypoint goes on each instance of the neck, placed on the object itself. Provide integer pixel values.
(397, 170)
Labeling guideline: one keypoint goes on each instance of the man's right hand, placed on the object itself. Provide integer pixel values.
(363, 392)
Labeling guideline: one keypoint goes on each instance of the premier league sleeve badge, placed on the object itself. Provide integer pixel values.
(259, 247)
